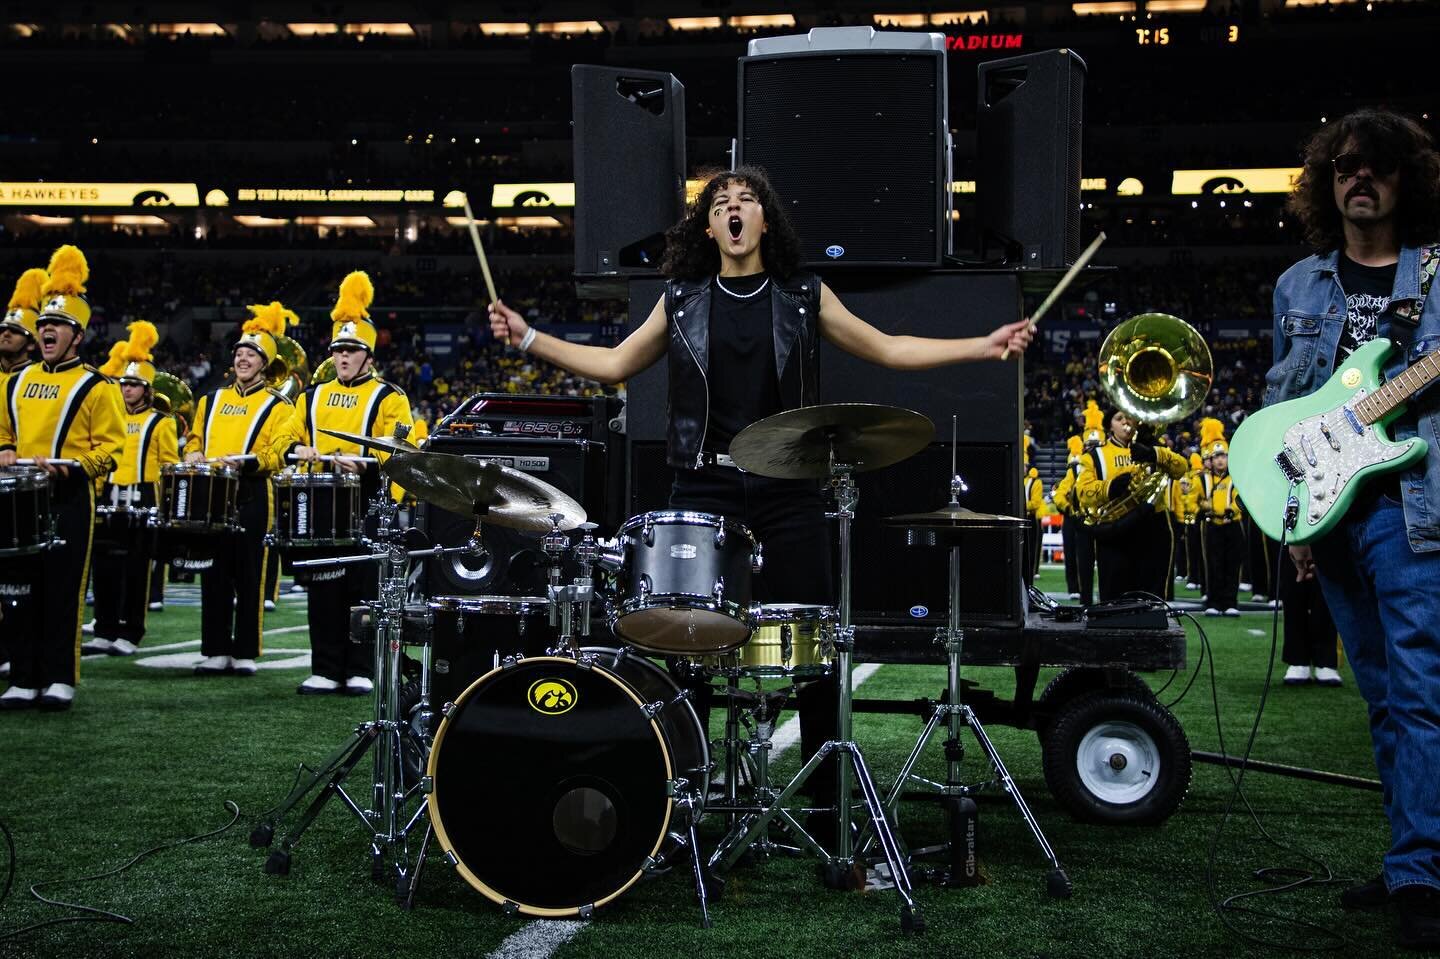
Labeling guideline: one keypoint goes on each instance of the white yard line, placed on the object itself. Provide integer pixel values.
(189, 643)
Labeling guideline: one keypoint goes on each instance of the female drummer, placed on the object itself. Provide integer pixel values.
(356, 402)
(740, 325)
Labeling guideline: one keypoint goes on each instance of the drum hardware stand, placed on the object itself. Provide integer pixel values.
(954, 714)
(569, 598)
(389, 846)
(839, 869)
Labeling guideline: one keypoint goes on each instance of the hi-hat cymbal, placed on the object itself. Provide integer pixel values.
(387, 443)
(466, 485)
(798, 443)
(954, 515)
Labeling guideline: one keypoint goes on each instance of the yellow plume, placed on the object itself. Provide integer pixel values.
(1211, 430)
(28, 290)
(1034, 473)
(1094, 419)
(269, 318)
(115, 365)
(68, 271)
(143, 336)
(1196, 462)
(1075, 445)
(356, 295)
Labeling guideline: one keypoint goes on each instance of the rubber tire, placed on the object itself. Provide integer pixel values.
(1061, 746)
(1077, 681)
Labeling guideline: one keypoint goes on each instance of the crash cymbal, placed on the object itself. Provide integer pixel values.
(387, 443)
(797, 444)
(953, 515)
(472, 485)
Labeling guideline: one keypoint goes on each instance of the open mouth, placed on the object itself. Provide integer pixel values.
(48, 336)
(736, 227)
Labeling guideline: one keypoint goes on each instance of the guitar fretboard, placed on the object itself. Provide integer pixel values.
(1395, 392)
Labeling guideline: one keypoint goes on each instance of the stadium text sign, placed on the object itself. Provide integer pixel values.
(99, 194)
(984, 41)
(322, 195)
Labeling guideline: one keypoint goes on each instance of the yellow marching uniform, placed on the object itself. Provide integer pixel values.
(64, 410)
(235, 421)
(365, 405)
(1224, 534)
(1079, 550)
(123, 562)
(1034, 491)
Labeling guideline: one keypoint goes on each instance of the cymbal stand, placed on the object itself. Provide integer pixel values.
(386, 820)
(839, 868)
(955, 714)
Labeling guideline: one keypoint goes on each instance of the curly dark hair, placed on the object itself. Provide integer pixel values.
(691, 255)
(1374, 132)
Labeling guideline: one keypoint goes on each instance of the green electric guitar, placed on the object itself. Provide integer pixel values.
(1322, 447)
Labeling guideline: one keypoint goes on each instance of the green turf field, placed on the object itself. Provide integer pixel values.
(151, 753)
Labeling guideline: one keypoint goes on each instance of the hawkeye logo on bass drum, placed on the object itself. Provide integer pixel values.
(552, 697)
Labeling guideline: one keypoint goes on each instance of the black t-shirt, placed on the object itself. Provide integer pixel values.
(1367, 294)
(743, 384)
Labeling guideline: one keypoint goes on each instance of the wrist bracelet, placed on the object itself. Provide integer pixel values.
(529, 338)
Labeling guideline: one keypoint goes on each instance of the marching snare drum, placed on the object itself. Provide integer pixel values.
(685, 583)
(197, 507)
(555, 781)
(317, 509)
(124, 515)
(27, 524)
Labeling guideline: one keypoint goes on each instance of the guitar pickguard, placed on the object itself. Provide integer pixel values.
(1330, 449)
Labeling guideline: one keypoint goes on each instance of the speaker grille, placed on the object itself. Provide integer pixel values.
(853, 144)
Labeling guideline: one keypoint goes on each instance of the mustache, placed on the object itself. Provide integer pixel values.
(1362, 188)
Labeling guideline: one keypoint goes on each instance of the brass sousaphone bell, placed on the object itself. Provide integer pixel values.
(1157, 369)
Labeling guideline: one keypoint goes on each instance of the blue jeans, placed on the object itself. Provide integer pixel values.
(1385, 599)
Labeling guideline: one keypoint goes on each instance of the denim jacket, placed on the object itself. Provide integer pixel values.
(1309, 318)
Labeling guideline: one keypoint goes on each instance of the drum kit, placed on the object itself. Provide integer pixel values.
(555, 769)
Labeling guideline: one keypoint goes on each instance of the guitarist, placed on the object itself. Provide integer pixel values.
(1369, 201)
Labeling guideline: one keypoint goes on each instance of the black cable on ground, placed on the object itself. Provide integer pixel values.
(93, 914)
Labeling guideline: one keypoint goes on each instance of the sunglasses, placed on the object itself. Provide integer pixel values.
(1349, 164)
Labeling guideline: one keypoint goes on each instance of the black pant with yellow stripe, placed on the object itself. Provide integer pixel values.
(232, 598)
(43, 628)
(121, 578)
(1224, 550)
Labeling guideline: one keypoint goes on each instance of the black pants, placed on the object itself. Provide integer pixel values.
(232, 611)
(788, 519)
(1261, 553)
(157, 582)
(1136, 559)
(272, 576)
(121, 580)
(1310, 638)
(1224, 550)
(1081, 544)
(43, 627)
(1032, 551)
(1180, 562)
(1195, 554)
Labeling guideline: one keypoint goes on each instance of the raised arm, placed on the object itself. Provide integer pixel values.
(607, 364)
(855, 336)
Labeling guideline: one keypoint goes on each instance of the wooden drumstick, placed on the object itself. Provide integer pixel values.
(30, 461)
(479, 250)
(1070, 274)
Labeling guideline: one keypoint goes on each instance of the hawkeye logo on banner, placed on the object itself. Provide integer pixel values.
(99, 194)
(552, 697)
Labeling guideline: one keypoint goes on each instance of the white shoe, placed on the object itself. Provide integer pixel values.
(157, 607)
(88, 629)
(1297, 675)
(297, 588)
(243, 667)
(122, 647)
(1192, 585)
(1245, 587)
(96, 646)
(1326, 676)
(1232, 611)
(358, 686)
(57, 696)
(1258, 597)
(17, 697)
(1212, 611)
(4, 669)
(213, 665)
(317, 686)
(269, 605)
(1074, 595)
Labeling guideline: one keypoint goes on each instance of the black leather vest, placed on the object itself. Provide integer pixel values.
(795, 309)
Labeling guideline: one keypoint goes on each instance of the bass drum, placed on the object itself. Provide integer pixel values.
(552, 782)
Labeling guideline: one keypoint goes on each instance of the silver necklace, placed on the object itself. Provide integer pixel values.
(741, 296)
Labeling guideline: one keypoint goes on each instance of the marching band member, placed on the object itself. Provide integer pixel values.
(1133, 552)
(121, 580)
(1072, 527)
(58, 409)
(238, 424)
(17, 341)
(1224, 535)
(1034, 491)
(355, 401)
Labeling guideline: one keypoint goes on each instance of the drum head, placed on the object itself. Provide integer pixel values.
(550, 786)
(682, 631)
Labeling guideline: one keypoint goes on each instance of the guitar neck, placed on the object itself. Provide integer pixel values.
(1396, 392)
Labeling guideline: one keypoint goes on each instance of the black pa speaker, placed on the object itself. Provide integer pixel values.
(1028, 145)
(629, 167)
(856, 143)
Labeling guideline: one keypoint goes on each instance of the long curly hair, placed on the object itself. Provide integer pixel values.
(691, 255)
(1374, 132)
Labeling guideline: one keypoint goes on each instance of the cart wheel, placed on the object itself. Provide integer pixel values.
(1117, 758)
(1076, 682)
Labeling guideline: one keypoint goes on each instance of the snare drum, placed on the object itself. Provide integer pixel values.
(197, 507)
(27, 524)
(124, 516)
(317, 509)
(685, 583)
(790, 640)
